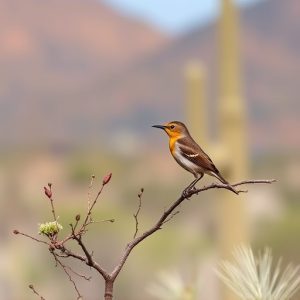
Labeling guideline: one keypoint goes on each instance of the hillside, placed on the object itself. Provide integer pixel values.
(270, 44)
(50, 51)
(75, 70)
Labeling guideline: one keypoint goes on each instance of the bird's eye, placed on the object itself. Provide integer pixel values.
(172, 126)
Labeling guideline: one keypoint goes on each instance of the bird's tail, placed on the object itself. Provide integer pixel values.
(223, 180)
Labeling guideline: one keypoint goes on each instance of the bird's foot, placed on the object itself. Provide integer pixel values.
(187, 192)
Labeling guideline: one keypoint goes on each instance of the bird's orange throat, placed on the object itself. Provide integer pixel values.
(172, 142)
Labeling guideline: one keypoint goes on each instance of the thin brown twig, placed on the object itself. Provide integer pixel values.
(89, 191)
(88, 278)
(33, 238)
(53, 210)
(87, 220)
(136, 214)
(35, 292)
(91, 207)
(89, 257)
(50, 196)
(102, 221)
(77, 219)
(173, 214)
(65, 269)
(222, 186)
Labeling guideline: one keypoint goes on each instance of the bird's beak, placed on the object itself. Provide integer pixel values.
(160, 126)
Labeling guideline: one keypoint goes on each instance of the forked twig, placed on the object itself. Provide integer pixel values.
(136, 214)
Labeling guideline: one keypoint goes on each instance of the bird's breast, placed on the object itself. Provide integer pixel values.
(172, 145)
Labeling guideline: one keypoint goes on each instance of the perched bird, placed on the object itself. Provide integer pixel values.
(189, 154)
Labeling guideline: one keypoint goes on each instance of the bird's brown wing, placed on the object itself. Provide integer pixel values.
(193, 152)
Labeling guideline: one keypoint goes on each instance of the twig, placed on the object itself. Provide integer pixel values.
(89, 212)
(89, 191)
(87, 219)
(102, 221)
(88, 278)
(53, 210)
(49, 194)
(222, 186)
(174, 213)
(31, 237)
(65, 268)
(35, 292)
(140, 194)
(89, 258)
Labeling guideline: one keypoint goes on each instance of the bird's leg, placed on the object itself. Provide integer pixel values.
(195, 182)
(192, 185)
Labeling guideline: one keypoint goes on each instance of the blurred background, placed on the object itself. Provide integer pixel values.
(81, 83)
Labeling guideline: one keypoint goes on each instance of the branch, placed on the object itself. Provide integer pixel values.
(140, 194)
(65, 268)
(89, 191)
(30, 237)
(169, 214)
(78, 231)
(88, 220)
(89, 258)
(48, 193)
(35, 292)
(222, 186)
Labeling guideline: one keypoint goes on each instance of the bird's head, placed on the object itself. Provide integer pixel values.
(174, 129)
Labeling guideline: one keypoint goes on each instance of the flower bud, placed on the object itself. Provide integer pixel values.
(77, 218)
(16, 231)
(48, 192)
(106, 179)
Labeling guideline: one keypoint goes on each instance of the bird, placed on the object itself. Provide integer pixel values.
(189, 155)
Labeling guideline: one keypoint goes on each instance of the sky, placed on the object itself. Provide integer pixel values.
(172, 16)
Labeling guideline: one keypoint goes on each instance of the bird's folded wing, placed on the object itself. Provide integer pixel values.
(197, 156)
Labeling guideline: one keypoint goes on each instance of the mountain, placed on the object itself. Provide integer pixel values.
(49, 53)
(270, 44)
(74, 70)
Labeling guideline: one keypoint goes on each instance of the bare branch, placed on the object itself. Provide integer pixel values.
(31, 237)
(89, 212)
(173, 214)
(88, 278)
(65, 268)
(102, 221)
(49, 194)
(165, 218)
(140, 194)
(77, 232)
(89, 258)
(89, 191)
(35, 292)
(222, 186)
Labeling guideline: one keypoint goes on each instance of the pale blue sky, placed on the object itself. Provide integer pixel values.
(173, 16)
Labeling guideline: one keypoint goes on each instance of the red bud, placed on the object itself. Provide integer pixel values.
(106, 179)
(48, 192)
